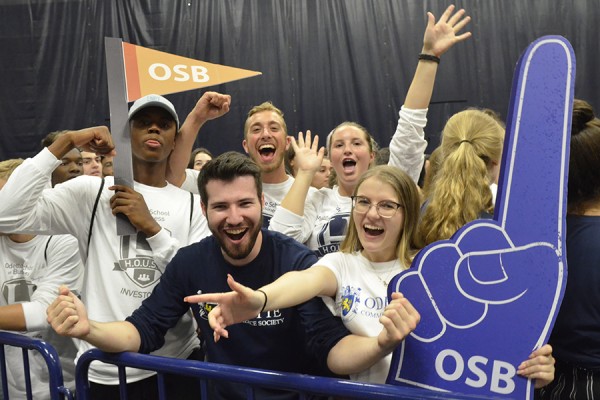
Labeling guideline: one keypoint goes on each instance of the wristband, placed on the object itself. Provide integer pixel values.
(265, 303)
(429, 57)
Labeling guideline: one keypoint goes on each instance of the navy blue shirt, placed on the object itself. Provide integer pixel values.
(296, 339)
(576, 335)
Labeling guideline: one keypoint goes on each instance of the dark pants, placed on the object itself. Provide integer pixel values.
(176, 387)
(572, 383)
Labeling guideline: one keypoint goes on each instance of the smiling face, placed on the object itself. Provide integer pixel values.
(266, 141)
(234, 216)
(379, 236)
(351, 155)
(152, 134)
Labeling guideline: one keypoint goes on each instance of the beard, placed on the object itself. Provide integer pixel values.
(238, 251)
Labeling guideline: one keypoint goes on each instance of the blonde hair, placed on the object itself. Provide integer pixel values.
(408, 196)
(471, 140)
(266, 106)
(7, 167)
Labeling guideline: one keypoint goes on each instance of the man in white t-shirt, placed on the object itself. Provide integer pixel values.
(121, 271)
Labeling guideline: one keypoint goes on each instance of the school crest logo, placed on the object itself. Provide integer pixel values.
(17, 291)
(332, 233)
(137, 262)
(204, 309)
(349, 302)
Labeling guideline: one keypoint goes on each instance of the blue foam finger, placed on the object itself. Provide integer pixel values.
(495, 287)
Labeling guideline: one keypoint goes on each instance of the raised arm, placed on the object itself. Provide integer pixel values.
(308, 159)
(210, 106)
(28, 207)
(96, 139)
(438, 39)
(68, 317)
(295, 216)
(408, 143)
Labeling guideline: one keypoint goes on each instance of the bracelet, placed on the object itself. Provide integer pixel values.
(429, 57)
(265, 303)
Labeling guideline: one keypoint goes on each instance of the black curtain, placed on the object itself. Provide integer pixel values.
(323, 61)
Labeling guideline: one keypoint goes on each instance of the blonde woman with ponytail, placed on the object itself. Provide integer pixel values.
(471, 150)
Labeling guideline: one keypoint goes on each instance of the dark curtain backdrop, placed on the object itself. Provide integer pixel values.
(323, 61)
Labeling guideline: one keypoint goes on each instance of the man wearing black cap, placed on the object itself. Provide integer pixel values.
(120, 270)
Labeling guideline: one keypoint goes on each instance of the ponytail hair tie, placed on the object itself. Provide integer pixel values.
(464, 140)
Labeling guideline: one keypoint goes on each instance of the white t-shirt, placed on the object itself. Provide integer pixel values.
(361, 299)
(274, 194)
(30, 274)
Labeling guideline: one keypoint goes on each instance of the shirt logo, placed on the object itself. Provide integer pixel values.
(17, 291)
(349, 302)
(137, 261)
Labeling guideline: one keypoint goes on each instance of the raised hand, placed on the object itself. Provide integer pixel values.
(489, 295)
(234, 307)
(441, 36)
(210, 106)
(67, 315)
(308, 156)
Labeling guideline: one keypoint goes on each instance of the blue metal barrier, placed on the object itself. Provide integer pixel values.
(252, 377)
(56, 387)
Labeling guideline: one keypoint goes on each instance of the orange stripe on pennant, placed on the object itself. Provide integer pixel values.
(132, 76)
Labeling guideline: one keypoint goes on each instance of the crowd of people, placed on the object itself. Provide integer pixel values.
(276, 238)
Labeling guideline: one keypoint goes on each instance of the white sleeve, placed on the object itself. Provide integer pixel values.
(63, 267)
(190, 183)
(298, 227)
(407, 147)
(164, 246)
(29, 206)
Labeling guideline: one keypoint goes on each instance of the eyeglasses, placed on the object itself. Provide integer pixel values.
(385, 209)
